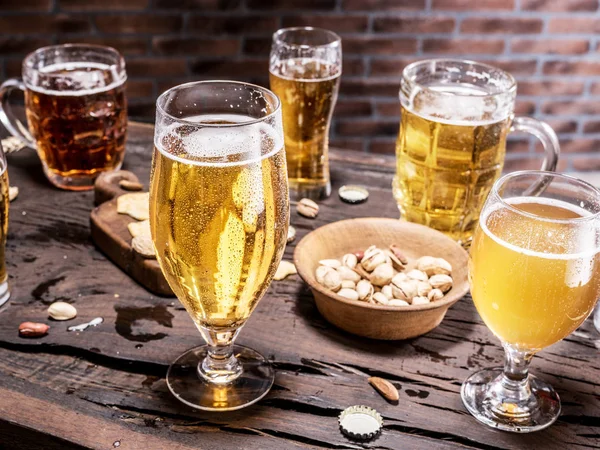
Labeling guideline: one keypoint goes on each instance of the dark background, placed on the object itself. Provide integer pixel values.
(551, 46)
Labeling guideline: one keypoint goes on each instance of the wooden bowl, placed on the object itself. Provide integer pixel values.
(379, 321)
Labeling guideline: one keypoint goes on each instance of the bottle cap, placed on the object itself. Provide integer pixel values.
(360, 422)
(351, 193)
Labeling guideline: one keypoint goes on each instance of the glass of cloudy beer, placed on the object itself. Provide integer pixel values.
(534, 270)
(4, 201)
(455, 116)
(219, 214)
(76, 110)
(304, 70)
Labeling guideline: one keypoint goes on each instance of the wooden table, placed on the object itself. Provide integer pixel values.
(105, 388)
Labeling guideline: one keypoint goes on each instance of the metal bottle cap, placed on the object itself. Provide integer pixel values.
(351, 193)
(360, 422)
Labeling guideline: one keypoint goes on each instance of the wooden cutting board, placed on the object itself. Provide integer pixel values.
(110, 234)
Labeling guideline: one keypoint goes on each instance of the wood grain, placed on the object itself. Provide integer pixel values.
(82, 390)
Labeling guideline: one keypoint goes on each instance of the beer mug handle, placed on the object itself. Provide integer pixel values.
(8, 119)
(545, 134)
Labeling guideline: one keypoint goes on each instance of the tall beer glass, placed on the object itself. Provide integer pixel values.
(76, 109)
(4, 201)
(219, 214)
(534, 270)
(455, 116)
(305, 70)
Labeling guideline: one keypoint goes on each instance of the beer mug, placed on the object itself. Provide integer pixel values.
(76, 109)
(304, 70)
(455, 116)
(4, 201)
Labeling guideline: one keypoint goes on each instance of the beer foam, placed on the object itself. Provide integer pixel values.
(586, 239)
(295, 69)
(463, 105)
(79, 79)
(203, 145)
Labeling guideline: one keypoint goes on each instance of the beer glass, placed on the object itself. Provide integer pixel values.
(219, 214)
(455, 116)
(4, 201)
(534, 270)
(304, 70)
(76, 109)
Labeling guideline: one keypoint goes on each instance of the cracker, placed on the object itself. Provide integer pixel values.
(144, 246)
(136, 205)
(139, 228)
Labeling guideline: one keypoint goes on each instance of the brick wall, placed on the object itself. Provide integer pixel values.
(551, 46)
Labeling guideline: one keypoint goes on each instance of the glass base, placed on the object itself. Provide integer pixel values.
(82, 182)
(312, 191)
(4, 292)
(597, 318)
(489, 402)
(250, 386)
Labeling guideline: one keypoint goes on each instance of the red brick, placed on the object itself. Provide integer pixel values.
(13, 67)
(201, 24)
(38, 23)
(379, 46)
(163, 85)
(595, 89)
(512, 25)
(155, 66)
(572, 68)
(257, 46)
(21, 45)
(291, 4)
(347, 144)
(383, 146)
(352, 108)
(366, 127)
(559, 5)
(574, 25)
(389, 109)
(562, 126)
(530, 163)
(102, 5)
(517, 146)
(175, 45)
(199, 5)
(571, 107)
(125, 45)
(242, 69)
(461, 46)
(524, 107)
(353, 66)
(139, 23)
(549, 88)
(369, 87)
(586, 163)
(557, 46)
(592, 126)
(579, 145)
(383, 5)
(468, 5)
(389, 67)
(414, 24)
(514, 66)
(139, 89)
(144, 109)
(337, 23)
(25, 5)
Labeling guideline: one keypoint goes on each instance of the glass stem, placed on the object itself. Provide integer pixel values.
(515, 377)
(220, 365)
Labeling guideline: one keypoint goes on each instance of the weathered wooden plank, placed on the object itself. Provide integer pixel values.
(120, 364)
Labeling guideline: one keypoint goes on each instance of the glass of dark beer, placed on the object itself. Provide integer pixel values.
(76, 110)
(4, 200)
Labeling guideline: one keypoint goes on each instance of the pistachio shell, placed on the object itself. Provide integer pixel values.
(329, 278)
(420, 301)
(434, 266)
(396, 302)
(348, 274)
(61, 311)
(380, 298)
(373, 259)
(441, 282)
(348, 284)
(382, 274)
(387, 291)
(405, 290)
(364, 289)
(423, 288)
(330, 263)
(417, 275)
(435, 294)
(350, 294)
(350, 260)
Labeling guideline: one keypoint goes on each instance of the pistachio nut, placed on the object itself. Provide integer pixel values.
(61, 311)
(399, 277)
(329, 278)
(307, 208)
(380, 298)
(417, 275)
(387, 291)
(423, 288)
(350, 294)
(334, 263)
(364, 289)
(420, 300)
(405, 290)
(441, 282)
(350, 260)
(397, 302)
(373, 259)
(362, 272)
(396, 263)
(435, 294)
(434, 266)
(382, 274)
(399, 254)
(348, 274)
(348, 284)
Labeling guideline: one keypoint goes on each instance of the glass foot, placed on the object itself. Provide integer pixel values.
(4, 292)
(75, 182)
(312, 191)
(487, 398)
(250, 386)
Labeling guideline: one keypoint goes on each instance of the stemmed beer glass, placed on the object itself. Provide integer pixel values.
(534, 270)
(219, 213)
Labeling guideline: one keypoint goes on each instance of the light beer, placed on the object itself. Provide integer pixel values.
(219, 215)
(449, 152)
(308, 91)
(534, 280)
(77, 114)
